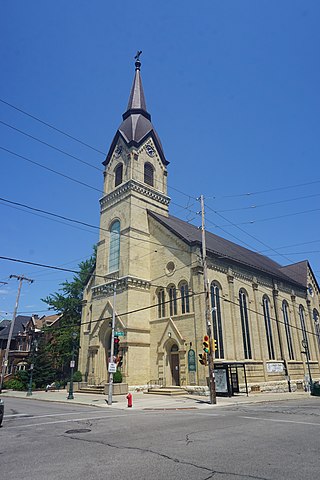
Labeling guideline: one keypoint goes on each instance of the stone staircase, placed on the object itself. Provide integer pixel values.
(170, 391)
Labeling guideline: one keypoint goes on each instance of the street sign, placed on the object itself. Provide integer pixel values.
(72, 364)
(112, 367)
(119, 334)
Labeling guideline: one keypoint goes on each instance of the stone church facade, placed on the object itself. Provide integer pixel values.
(261, 311)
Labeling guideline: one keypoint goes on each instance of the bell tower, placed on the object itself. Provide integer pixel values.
(135, 182)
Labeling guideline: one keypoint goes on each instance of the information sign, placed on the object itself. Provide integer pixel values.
(112, 367)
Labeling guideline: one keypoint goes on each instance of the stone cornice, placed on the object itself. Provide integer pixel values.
(133, 186)
(120, 284)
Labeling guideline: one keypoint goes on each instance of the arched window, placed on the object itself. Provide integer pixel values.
(114, 252)
(267, 322)
(148, 174)
(317, 325)
(285, 313)
(216, 320)
(184, 293)
(161, 304)
(243, 301)
(172, 300)
(304, 331)
(118, 175)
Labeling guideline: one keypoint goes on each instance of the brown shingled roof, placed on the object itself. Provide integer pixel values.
(226, 249)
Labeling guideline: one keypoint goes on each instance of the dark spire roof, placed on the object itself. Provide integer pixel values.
(136, 125)
(136, 99)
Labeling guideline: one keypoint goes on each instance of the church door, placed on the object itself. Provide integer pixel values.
(174, 364)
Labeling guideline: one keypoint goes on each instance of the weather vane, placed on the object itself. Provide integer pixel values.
(137, 57)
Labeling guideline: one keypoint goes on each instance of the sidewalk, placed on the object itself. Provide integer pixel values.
(143, 401)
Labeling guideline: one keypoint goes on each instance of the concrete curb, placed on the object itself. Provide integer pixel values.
(151, 402)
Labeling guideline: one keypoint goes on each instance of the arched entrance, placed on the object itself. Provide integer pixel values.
(174, 364)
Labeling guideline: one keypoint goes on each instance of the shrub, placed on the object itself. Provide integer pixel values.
(15, 384)
(117, 377)
(77, 376)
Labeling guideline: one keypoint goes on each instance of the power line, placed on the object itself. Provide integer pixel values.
(251, 222)
(247, 194)
(18, 204)
(73, 179)
(74, 138)
(51, 146)
(251, 207)
(51, 126)
(51, 170)
(53, 267)
(249, 234)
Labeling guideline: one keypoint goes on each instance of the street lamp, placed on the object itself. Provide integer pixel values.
(306, 353)
(72, 365)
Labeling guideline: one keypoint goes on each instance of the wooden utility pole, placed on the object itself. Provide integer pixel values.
(212, 383)
(6, 355)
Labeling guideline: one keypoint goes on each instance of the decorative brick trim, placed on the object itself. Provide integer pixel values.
(133, 186)
(123, 283)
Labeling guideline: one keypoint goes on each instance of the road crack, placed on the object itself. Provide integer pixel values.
(211, 471)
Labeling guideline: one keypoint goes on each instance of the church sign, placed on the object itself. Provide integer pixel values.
(192, 360)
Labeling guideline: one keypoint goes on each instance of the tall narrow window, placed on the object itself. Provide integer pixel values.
(148, 174)
(216, 320)
(172, 300)
(304, 331)
(316, 325)
(245, 324)
(118, 175)
(267, 322)
(161, 304)
(285, 312)
(114, 252)
(184, 293)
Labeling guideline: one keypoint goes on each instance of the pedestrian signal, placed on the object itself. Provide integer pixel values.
(206, 344)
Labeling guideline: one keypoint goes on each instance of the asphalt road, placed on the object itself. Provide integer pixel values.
(46, 441)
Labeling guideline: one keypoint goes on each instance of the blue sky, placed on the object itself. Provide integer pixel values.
(233, 90)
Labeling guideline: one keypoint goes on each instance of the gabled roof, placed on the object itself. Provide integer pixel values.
(225, 249)
(297, 271)
(19, 326)
(136, 125)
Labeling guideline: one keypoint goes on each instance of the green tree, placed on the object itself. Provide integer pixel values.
(68, 302)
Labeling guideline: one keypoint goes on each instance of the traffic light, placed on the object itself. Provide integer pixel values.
(206, 344)
(119, 360)
(116, 345)
(214, 345)
(203, 359)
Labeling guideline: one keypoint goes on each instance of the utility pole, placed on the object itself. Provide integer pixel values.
(112, 348)
(212, 383)
(6, 355)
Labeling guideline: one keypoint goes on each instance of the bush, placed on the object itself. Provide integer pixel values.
(117, 377)
(15, 384)
(77, 376)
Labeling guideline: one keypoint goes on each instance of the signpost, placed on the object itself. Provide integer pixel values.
(112, 367)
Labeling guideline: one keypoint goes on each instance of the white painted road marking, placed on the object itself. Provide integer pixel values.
(63, 421)
(280, 421)
(48, 415)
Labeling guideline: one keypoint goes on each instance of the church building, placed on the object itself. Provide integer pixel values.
(149, 271)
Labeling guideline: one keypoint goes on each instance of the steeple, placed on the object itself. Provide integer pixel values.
(137, 100)
(136, 125)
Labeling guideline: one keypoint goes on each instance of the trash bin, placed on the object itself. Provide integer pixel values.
(315, 389)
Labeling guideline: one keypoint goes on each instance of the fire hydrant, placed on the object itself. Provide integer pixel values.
(129, 398)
